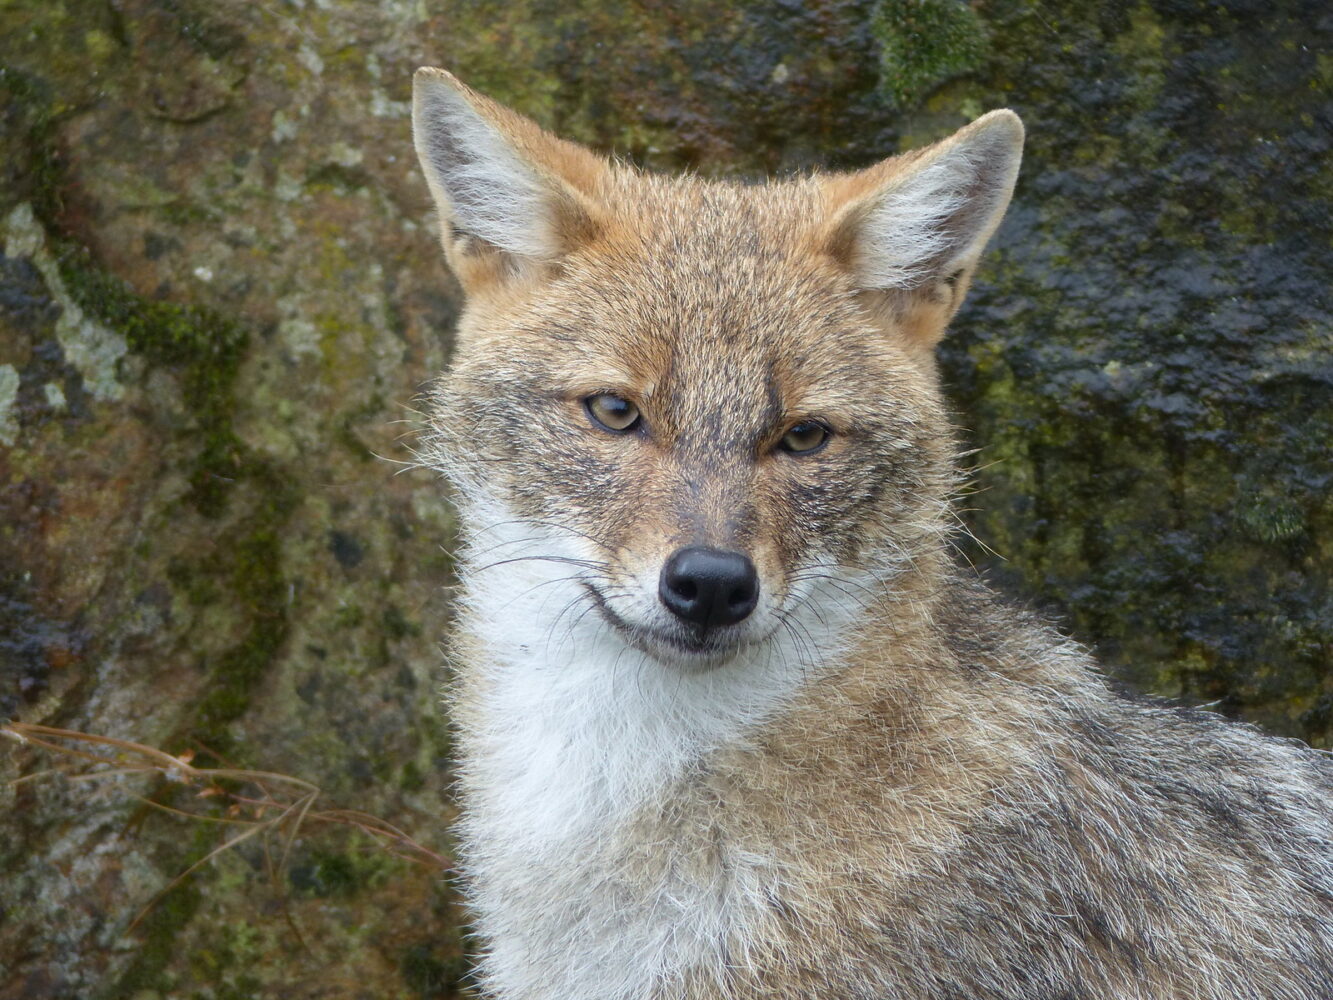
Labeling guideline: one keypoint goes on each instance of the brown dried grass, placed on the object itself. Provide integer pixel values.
(267, 805)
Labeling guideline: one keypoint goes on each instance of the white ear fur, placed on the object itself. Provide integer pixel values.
(934, 218)
(481, 183)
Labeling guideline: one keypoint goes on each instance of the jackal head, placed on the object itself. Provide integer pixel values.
(712, 406)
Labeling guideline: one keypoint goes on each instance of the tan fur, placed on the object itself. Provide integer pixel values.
(923, 794)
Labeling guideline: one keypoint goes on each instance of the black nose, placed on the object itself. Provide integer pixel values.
(709, 587)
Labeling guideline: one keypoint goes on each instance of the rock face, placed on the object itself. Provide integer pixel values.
(219, 294)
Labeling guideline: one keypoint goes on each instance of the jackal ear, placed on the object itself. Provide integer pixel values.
(912, 228)
(510, 196)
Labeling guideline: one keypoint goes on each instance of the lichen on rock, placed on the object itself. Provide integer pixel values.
(92, 348)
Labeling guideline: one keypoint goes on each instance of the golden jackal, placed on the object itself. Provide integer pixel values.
(732, 723)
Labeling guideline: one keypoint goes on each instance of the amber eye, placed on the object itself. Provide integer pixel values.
(805, 437)
(612, 412)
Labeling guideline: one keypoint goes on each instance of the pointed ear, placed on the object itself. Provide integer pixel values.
(911, 229)
(511, 197)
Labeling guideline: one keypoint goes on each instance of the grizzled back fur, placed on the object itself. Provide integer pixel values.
(732, 723)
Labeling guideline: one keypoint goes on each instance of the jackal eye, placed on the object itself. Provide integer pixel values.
(805, 437)
(611, 412)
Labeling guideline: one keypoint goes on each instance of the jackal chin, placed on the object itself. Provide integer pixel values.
(680, 645)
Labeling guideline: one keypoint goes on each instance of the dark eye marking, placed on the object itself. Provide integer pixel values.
(804, 438)
(612, 413)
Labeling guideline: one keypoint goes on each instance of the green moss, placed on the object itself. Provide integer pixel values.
(411, 780)
(200, 25)
(923, 43)
(163, 332)
(225, 961)
(32, 171)
(168, 915)
(257, 585)
(436, 743)
(432, 973)
(340, 874)
(1272, 519)
(336, 177)
(158, 931)
(183, 213)
(1142, 51)
(206, 347)
(345, 429)
(397, 627)
(326, 875)
(348, 616)
(100, 45)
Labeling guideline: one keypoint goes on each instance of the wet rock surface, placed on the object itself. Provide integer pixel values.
(219, 294)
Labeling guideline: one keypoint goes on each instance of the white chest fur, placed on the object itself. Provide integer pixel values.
(588, 882)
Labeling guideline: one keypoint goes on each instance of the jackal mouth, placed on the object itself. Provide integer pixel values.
(694, 649)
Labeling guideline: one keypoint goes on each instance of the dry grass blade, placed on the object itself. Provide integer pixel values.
(402, 845)
(277, 804)
(225, 846)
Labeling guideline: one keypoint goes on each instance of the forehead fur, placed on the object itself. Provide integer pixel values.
(696, 293)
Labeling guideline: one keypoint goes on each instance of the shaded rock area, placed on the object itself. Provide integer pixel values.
(220, 293)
